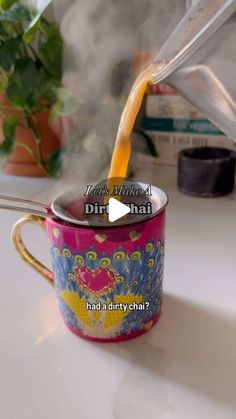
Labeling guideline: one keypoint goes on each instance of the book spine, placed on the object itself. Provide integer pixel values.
(183, 126)
(169, 144)
(174, 124)
(170, 106)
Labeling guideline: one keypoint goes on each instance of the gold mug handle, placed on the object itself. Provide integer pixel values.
(24, 252)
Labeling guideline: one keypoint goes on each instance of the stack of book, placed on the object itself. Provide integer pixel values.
(175, 124)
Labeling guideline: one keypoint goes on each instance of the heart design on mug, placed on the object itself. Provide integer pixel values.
(148, 325)
(134, 235)
(56, 233)
(95, 281)
(101, 238)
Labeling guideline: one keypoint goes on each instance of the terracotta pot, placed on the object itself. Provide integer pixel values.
(21, 162)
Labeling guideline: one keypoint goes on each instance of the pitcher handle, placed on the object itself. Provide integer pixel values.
(24, 252)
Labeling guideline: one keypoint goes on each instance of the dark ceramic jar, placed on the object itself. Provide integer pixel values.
(206, 171)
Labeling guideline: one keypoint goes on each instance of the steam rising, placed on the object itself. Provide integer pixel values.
(101, 38)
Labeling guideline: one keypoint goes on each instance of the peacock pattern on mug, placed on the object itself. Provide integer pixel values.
(109, 295)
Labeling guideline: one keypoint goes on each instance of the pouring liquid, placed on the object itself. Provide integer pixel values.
(122, 151)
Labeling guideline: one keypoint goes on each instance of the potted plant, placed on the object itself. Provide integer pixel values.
(30, 77)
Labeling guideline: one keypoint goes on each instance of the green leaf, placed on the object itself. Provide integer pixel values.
(3, 32)
(67, 104)
(46, 88)
(35, 24)
(51, 55)
(9, 131)
(8, 53)
(3, 81)
(5, 4)
(16, 13)
(55, 162)
(22, 84)
(8, 30)
(49, 28)
(31, 32)
(149, 142)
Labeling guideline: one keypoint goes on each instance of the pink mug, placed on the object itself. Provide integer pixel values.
(108, 280)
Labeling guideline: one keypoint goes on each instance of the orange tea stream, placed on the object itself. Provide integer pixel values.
(122, 150)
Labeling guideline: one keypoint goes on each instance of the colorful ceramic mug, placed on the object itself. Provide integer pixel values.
(108, 280)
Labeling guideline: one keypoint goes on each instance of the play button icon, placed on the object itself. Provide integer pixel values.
(110, 203)
(117, 210)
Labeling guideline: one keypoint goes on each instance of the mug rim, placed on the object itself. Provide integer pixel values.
(84, 225)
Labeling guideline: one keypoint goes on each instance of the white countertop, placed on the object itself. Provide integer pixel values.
(184, 368)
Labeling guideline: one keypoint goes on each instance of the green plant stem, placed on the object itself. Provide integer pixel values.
(38, 137)
(25, 50)
(13, 108)
(7, 107)
(5, 114)
(4, 75)
(33, 52)
(42, 29)
(38, 140)
(28, 149)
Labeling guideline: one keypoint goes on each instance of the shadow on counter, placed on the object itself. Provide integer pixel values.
(191, 346)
